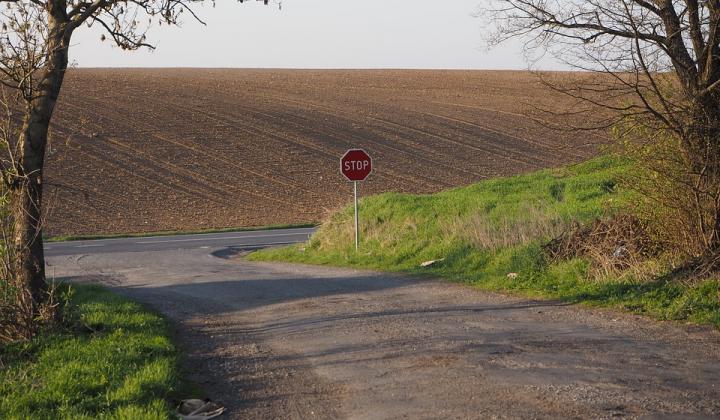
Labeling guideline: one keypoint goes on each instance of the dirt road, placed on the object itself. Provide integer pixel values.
(274, 341)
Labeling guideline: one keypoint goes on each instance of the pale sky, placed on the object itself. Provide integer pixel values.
(315, 34)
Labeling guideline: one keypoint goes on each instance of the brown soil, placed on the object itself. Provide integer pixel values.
(149, 150)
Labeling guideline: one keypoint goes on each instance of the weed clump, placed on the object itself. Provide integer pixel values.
(613, 245)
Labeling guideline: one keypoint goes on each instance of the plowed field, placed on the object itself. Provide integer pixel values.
(150, 150)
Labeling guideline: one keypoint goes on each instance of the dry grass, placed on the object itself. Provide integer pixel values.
(532, 223)
(21, 319)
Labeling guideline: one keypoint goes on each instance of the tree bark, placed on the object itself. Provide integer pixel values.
(703, 138)
(27, 189)
(29, 255)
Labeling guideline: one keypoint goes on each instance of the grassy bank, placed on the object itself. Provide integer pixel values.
(487, 230)
(114, 359)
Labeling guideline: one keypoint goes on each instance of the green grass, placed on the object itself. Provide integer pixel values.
(487, 230)
(64, 238)
(116, 360)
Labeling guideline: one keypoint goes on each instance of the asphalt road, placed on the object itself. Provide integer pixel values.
(236, 240)
(295, 342)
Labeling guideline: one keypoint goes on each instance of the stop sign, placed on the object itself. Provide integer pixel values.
(356, 165)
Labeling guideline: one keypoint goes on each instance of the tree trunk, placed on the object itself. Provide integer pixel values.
(27, 188)
(704, 133)
(29, 254)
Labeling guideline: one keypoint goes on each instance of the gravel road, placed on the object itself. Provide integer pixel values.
(297, 342)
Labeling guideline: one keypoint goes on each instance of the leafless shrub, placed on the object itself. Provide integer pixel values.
(614, 246)
(653, 68)
(678, 205)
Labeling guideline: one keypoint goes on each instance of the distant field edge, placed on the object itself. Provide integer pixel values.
(110, 358)
(491, 235)
(67, 238)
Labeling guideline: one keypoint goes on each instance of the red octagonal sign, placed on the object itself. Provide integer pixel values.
(356, 165)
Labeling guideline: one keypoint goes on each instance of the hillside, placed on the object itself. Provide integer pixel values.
(492, 235)
(150, 150)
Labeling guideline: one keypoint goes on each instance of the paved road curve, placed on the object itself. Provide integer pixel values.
(239, 240)
(294, 342)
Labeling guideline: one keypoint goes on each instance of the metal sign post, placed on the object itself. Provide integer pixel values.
(357, 220)
(356, 165)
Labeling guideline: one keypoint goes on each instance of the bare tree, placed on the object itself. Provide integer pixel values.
(35, 38)
(655, 65)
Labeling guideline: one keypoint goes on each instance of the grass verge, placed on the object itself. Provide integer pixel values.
(487, 230)
(64, 238)
(113, 360)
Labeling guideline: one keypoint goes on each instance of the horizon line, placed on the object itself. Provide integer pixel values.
(318, 68)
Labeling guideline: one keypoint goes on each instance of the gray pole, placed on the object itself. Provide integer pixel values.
(357, 220)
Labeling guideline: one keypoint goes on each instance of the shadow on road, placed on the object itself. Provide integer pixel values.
(265, 341)
(218, 297)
